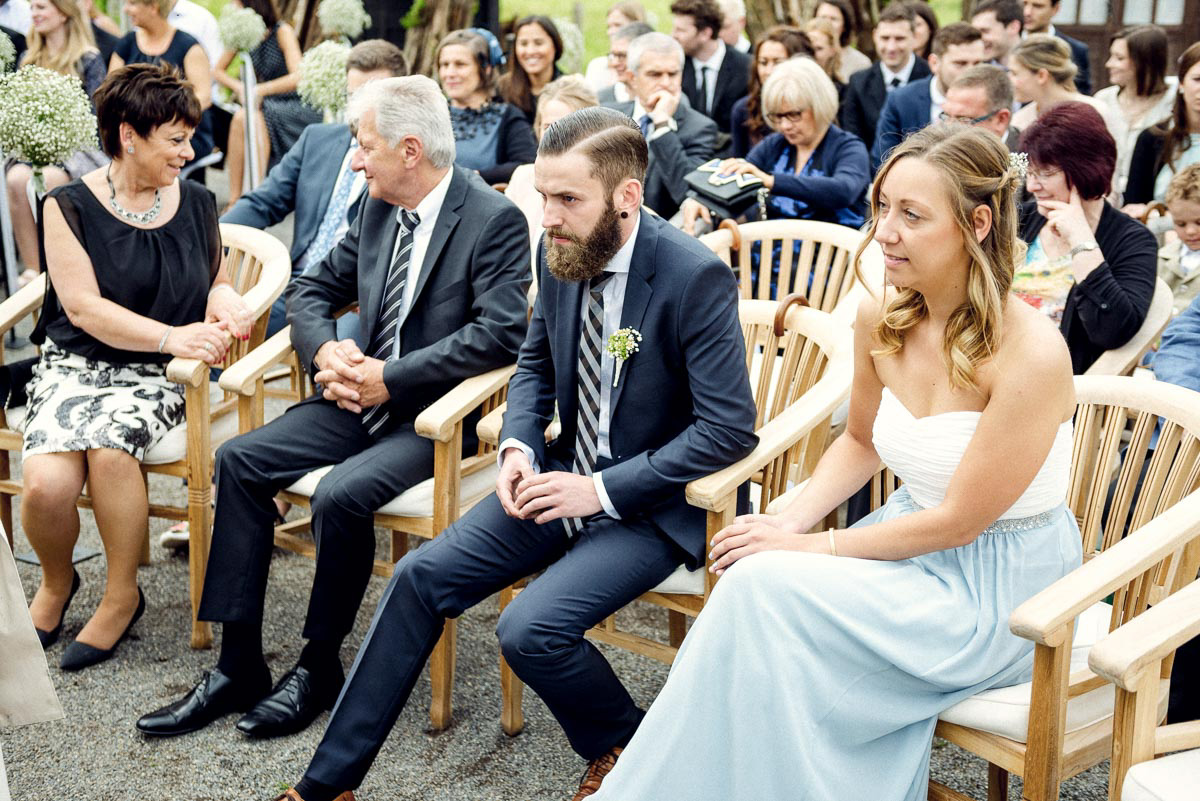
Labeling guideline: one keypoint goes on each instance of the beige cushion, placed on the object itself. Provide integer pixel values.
(1005, 711)
(683, 582)
(418, 500)
(1169, 778)
(172, 446)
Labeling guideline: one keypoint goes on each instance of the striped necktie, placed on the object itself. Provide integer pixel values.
(389, 318)
(591, 349)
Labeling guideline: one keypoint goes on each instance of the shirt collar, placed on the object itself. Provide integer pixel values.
(902, 74)
(624, 257)
(714, 61)
(427, 210)
(935, 95)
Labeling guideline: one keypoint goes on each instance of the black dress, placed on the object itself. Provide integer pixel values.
(181, 43)
(285, 114)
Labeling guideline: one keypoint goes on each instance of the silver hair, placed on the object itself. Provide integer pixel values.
(734, 8)
(659, 43)
(408, 106)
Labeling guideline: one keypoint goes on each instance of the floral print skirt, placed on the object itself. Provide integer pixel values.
(77, 404)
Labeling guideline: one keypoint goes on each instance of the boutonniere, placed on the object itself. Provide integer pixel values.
(621, 345)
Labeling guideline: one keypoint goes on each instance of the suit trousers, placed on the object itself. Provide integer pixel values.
(252, 468)
(608, 565)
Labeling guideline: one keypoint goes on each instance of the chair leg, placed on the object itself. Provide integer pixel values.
(441, 677)
(512, 689)
(677, 627)
(200, 520)
(145, 557)
(997, 783)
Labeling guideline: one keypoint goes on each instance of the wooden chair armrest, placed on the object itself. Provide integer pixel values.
(275, 268)
(1143, 642)
(812, 409)
(190, 372)
(22, 303)
(437, 422)
(242, 377)
(1046, 617)
(488, 428)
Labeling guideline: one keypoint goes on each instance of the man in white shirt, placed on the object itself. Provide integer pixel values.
(1000, 22)
(16, 16)
(198, 21)
(714, 76)
(733, 30)
(1038, 16)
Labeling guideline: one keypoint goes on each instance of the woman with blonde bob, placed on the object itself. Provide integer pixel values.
(846, 644)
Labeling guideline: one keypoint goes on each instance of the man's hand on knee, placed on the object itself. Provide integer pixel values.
(340, 373)
(551, 496)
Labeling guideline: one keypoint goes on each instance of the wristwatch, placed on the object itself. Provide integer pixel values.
(1084, 248)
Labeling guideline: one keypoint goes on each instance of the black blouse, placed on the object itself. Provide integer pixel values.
(163, 273)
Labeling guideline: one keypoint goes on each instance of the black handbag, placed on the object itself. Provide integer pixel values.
(726, 196)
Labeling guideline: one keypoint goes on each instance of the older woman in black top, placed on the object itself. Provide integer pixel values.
(135, 278)
(1089, 267)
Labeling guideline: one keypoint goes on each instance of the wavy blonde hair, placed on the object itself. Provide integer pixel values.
(79, 41)
(976, 171)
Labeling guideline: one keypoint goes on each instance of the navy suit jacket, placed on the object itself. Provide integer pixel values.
(469, 308)
(302, 182)
(906, 110)
(682, 407)
(865, 96)
(1079, 54)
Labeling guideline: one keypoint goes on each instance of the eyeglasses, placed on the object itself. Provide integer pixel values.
(1042, 176)
(944, 117)
(790, 116)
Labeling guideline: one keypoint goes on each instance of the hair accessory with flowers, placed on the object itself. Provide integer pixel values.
(323, 76)
(621, 345)
(8, 52)
(241, 29)
(45, 117)
(1018, 164)
(345, 18)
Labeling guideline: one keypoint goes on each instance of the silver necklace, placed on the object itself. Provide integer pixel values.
(139, 217)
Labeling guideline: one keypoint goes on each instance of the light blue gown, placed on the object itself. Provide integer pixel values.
(810, 677)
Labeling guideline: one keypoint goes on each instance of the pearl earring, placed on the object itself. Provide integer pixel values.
(129, 149)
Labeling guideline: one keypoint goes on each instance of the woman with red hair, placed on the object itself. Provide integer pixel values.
(1089, 267)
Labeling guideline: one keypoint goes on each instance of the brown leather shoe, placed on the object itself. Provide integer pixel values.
(597, 769)
(292, 795)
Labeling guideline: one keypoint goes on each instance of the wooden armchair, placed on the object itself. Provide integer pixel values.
(426, 509)
(800, 364)
(1122, 360)
(1138, 509)
(259, 268)
(823, 272)
(1136, 658)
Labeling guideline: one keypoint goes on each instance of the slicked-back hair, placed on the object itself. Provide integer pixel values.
(610, 140)
(144, 96)
(956, 33)
(992, 79)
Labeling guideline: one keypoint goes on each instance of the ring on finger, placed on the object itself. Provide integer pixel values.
(208, 347)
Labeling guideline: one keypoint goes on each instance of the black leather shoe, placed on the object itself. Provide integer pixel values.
(48, 638)
(79, 655)
(214, 696)
(294, 703)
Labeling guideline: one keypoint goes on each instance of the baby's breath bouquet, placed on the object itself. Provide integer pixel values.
(323, 76)
(573, 47)
(345, 18)
(45, 117)
(241, 29)
(8, 53)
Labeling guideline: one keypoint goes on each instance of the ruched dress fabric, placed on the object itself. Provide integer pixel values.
(810, 677)
(286, 115)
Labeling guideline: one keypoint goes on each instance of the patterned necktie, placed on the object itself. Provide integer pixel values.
(389, 316)
(646, 126)
(335, 214)
(591, 349)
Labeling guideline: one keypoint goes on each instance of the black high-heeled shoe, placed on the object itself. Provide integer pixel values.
(79, 655)
(48, 638)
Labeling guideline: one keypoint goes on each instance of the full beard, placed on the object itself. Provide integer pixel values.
(584, 257)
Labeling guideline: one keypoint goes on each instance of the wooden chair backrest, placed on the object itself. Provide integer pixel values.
(246, 250)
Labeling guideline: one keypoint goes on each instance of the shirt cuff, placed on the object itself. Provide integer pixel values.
(670, 127)
(605, 502)
(516, 443)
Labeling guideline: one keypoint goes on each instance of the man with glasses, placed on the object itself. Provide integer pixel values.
(618, 58)
(983, 96)
(956, 47)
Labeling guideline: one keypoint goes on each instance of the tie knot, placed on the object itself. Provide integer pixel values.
(596, 284)
(895, 83)
(409, 219)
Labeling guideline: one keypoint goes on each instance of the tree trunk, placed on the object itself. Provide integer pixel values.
(435, 19)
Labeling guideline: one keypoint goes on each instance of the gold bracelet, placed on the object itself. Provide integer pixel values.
(832, 544)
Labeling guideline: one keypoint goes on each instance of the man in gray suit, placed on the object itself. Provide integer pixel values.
(680, 139)
(439, 264)
(618, 60)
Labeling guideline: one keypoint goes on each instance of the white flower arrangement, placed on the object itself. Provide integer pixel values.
(241, 29)
(621, 346)
(323, 76)
(45, 117)
(8, 52)
(573, 46)
(345, 18)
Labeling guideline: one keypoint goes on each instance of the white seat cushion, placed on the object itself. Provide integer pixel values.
(1169, 778)
(683, 582)
(418, 500)
(1005, 711)
(172, 446)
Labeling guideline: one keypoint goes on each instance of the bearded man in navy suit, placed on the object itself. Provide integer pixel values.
(601, 510)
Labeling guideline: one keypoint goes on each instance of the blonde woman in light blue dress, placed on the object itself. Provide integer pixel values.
(818, 668)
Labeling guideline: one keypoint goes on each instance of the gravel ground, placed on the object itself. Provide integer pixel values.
(95, 754)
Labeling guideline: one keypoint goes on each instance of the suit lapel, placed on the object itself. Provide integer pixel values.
(383, 260)
(637, 292)
(689, 82)
(569, 328)
(447, 220)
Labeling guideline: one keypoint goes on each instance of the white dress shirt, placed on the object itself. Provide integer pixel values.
(614, 304)
(428, 210)
(200, 23)
(904, 73)
(936, 100)
(356, 189)
(713, 65)
(16, 16)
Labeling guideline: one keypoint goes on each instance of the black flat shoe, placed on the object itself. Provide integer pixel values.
(293, 705)
(48, 638)
(214, 696)
(79, 655)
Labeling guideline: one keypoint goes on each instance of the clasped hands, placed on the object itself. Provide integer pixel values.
(350, 378)
(543, 497)
(749, 534)
(227, 318)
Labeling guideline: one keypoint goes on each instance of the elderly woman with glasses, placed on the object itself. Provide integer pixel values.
(1088, 267)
